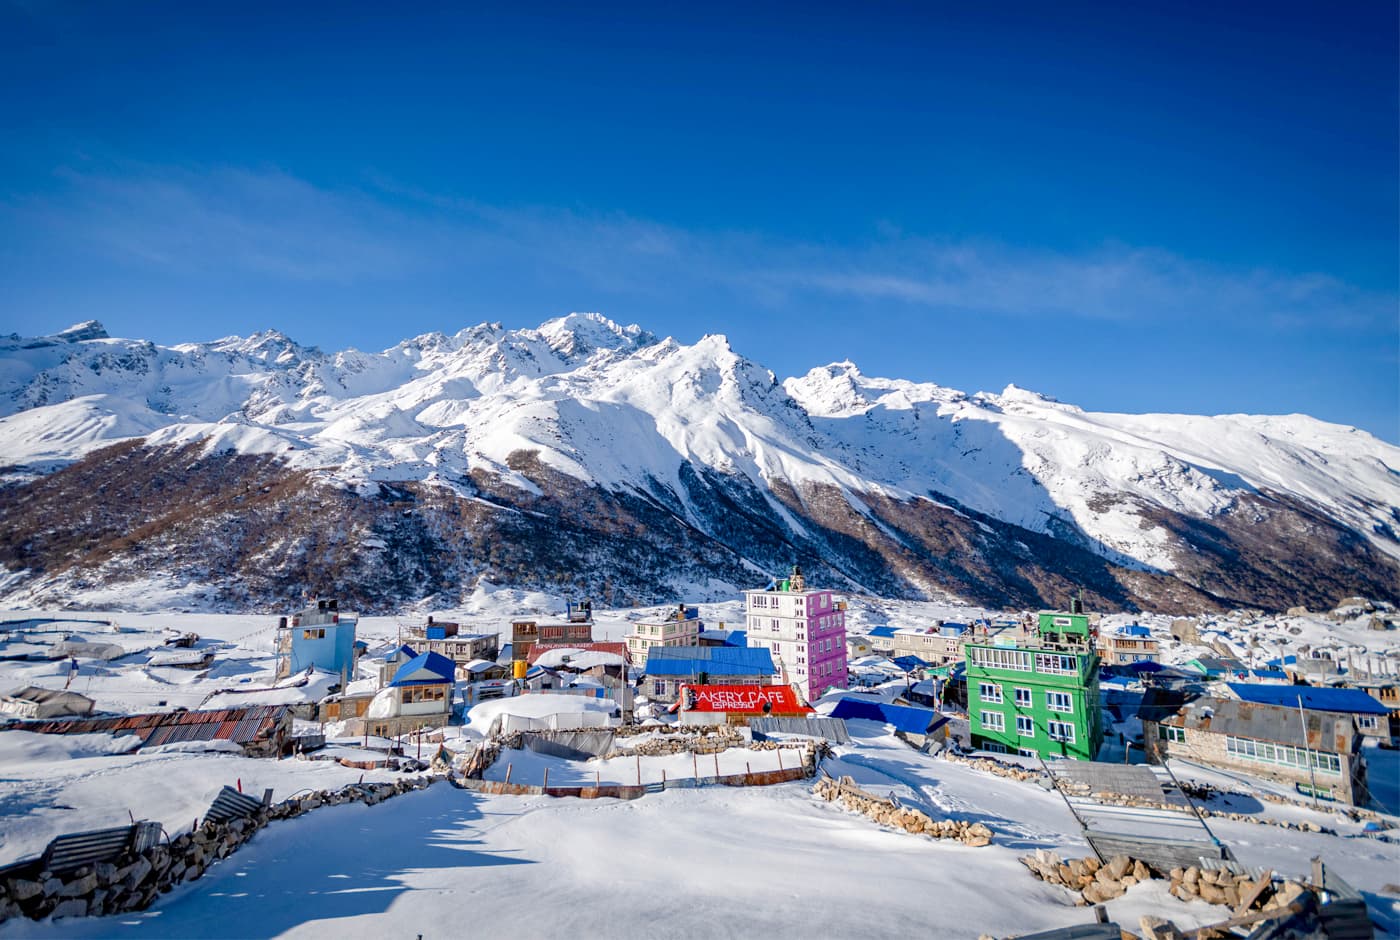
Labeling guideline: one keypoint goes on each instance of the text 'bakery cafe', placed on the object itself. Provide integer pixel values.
(736, 704)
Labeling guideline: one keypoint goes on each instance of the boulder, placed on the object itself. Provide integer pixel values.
(22, 889)
(1118, 866)
(73, 907)
(85, 884)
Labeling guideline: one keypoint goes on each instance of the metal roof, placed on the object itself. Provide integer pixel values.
(241, 725)
(905, 718)
(1350, 701)
(425, 669)
(910, 663)
(1334, 732)
(880, 631)
(714, 660)
(832, 729)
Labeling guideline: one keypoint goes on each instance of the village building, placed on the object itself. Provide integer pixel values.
(447, 639)
(881, 640)
(1316, 753)
(1038, 696)
(670, 667)
(680, 627)
(319, 636)
(737, 704)
(857, 647)
(418, 695)
(1387, 692)
(1372, 717)
(803, 630)
(1131, 643)
(32, 702)
(577, 627)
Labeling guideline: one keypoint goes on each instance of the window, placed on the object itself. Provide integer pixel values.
(1057, 664)
(314, 634)
(1060, 731)
(1059, 702)
(994, 747)
(1168, 733)
(658, 687)
(1285, 755)
(1015, 660)
(1027, 752)
(1025, 727)
(989, 692)
(993, 721)
(1023, 698)
(1367, 722)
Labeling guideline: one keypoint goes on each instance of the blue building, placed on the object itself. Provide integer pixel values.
(319, 636)
(670, 667)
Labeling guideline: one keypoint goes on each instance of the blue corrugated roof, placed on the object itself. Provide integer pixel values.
(880, 631)
(437, 666)
(1352, 701)
(1134, 629)
(714, 660)
(953, 629)
(910, 663)
(905, 718)
(737, 638)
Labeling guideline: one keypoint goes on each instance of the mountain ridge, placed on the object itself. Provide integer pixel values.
(610, 413)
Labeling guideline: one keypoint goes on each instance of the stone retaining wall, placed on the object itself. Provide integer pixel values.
(888, 812)
(133, 882)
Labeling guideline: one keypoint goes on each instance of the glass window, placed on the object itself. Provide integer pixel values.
(1023, 698)
(1025, 727)
(993, 721)
(989, 692)
(1060, 731)
(1059, 702)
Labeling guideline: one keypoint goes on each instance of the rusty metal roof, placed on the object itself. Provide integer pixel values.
(240, 725)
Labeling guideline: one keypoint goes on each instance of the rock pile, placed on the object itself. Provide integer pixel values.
(132, 882)
(1096, 882)
(887, 812)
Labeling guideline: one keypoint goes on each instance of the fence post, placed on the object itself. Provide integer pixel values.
(716, 763)
(508, 768)
(695, 765)
(780, 758)
(639, 770)
(546, 778)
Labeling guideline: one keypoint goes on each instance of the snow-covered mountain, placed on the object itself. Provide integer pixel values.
(586, 455)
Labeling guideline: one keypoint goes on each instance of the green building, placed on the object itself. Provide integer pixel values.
(1039, 696)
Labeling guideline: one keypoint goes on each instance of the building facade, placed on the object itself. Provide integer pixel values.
(1313, 753)
(446, 639)
(576, 628)
(804, 631)
(1128, 644)
(1037, 697)
(319, 636)
(681, 628)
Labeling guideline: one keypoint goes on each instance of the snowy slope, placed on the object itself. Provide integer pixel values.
(612, 406)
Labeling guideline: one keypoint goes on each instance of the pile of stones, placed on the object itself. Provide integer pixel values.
(1096, 882)
(887, 812)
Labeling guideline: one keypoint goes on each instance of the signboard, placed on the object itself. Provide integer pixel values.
(751, 699)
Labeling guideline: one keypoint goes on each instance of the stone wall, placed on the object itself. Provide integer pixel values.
(888, 812)
(132, 882)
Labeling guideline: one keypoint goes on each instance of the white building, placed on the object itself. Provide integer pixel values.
(805, 631)
(681, 627)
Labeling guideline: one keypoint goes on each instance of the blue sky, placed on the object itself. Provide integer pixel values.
(1184, 208)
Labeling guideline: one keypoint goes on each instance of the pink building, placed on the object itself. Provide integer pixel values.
(805, 631)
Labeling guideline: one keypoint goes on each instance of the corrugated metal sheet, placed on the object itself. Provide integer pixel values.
(832, 729)
(1162, 854)
(241, 725)
(86, 848)
(230, 804)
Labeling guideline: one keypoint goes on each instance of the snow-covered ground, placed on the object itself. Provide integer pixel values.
(715, 861)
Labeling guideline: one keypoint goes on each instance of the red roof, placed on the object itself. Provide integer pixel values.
(539, 649)
(743, 699)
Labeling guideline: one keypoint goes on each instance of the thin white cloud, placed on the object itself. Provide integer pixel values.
(273, 225)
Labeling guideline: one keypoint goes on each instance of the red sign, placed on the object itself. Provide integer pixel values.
(746, 699)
